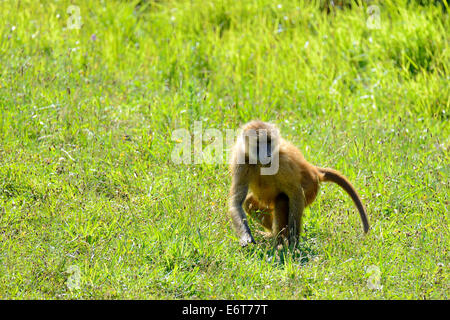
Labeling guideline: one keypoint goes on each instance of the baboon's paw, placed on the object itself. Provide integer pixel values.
(246, 239)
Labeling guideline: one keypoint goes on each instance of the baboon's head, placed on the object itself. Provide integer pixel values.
(260, 142)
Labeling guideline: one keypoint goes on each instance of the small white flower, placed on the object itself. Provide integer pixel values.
(279, 6)
(280, 29)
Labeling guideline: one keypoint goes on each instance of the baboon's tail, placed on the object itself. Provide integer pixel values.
(338, 178)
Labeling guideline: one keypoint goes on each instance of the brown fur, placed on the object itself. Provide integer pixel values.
(277, 201)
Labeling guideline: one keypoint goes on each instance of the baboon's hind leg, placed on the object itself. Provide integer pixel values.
(260, 213)
(280, 217)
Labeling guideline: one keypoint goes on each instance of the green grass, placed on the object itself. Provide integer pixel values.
(86, 179)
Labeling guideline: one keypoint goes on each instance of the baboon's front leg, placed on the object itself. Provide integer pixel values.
(296, 207)
(238, 193)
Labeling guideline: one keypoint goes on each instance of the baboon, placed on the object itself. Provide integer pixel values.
(276, 199)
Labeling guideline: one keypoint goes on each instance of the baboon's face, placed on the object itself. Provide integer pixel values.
(260, 143)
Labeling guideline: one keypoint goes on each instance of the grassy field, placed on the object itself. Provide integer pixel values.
(92, 207)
